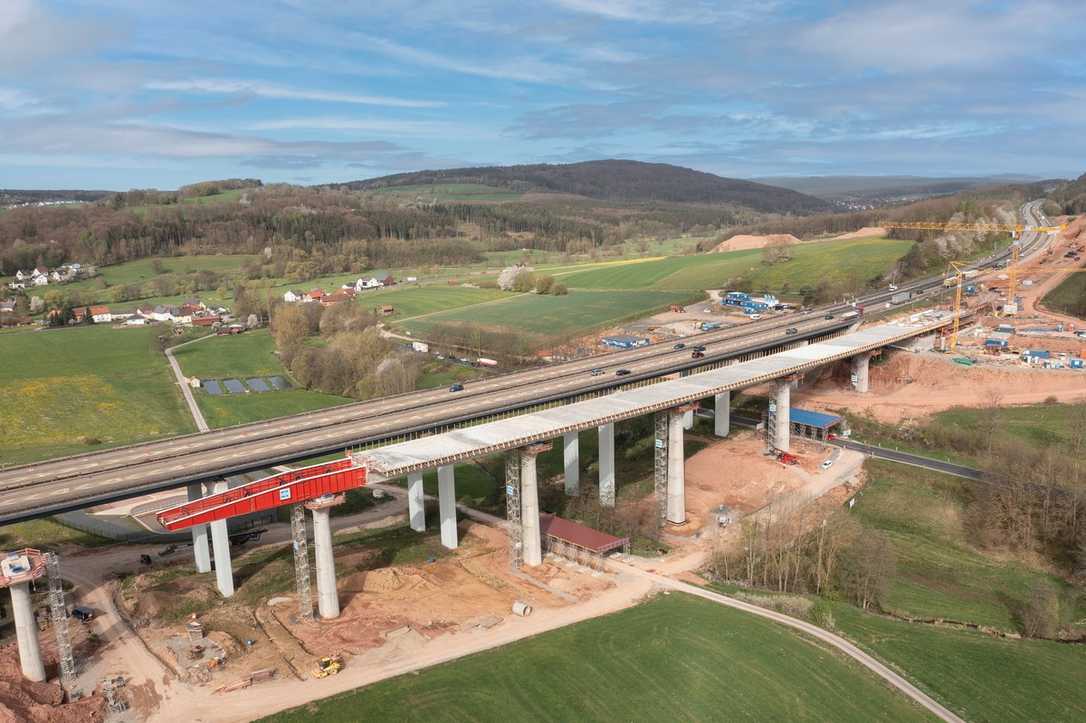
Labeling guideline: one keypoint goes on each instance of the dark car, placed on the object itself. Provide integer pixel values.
(828, 316)
(698, 355)
(456, 388)
(680, 345)
(791, 330)
(82, 614)
(699, 347)
(622, 372)
(596, 372)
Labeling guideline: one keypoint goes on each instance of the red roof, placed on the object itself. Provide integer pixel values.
(204, 320)
(580, 535)
(316, 294)
(97, 310)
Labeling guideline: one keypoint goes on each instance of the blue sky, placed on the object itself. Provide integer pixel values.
(141, 93)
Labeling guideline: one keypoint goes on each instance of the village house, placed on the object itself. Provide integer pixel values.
(371, 283)
(315, 295)
(292, 296)
(100, 314)
(335, 298)
(136, 320)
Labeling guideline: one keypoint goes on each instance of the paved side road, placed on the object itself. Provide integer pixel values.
(915, 460)
(814, 631)
(186, 390)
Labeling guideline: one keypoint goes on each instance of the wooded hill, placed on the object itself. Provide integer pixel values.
(615, 180)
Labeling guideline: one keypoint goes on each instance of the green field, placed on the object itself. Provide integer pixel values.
(452, 192)
(417, 300)
(251, 354)
(549, 316)
(980, 677)
(939, 573)
(1069, 297)
(66, 391)
(675, 657)
(141, 271)
(853, 260)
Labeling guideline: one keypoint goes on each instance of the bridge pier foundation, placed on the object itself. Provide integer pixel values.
(607, 464)
(722, 414)
(327, 595)
(200, 551)
(26, 633)
(220, 543)
(571, 457)
(861, 368)
(446, 501)
(416, 508)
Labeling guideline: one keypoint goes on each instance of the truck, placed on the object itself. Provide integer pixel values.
(709, 325)
(901, 297)
(850, 315)
(484, 362)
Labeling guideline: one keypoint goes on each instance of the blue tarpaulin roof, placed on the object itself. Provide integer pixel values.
(812, 419)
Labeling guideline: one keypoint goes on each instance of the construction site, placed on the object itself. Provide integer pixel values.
(141, 631)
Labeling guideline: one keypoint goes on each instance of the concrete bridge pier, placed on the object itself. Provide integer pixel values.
(783, 430)
(607, 464)
(26, 632)
(327, 595)
(446, 502)
(688, 419)
(861, 368)
(416, 508)
(220, 542)
(200, 551)
(676, 472)
(722, 414)
(531, 537)
(571, 457)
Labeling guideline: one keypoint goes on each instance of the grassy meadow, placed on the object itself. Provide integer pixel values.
(67, 391)
(675, 657)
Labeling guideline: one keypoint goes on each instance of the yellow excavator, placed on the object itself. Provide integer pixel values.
(328, 665)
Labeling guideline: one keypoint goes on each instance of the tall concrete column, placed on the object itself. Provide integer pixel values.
(327, 596)
(571, 457)
(416, 506)
(26, 632)
(220, 543)
(446, 502)
(607, 465)
(688, 419)
(676, 478)
(861, 367)
(531, 537)
(783, 401)
(722, 414)
(200, 551)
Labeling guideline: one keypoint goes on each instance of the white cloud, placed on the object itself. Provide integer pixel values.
(368, 125)
(931, 35)
(268, 90)
(524, 69)
(672, 11)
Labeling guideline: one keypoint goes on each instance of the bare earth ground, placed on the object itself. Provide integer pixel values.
(864, 232)
(742, 242)
(912, 386)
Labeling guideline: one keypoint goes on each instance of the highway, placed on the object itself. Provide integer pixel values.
(45, 488)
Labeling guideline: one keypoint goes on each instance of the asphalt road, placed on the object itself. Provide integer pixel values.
(915, 460)
(71, 483)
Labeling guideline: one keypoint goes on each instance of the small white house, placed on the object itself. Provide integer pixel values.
(293, 296)
(411, 279)
(371, 283)
(135, 320)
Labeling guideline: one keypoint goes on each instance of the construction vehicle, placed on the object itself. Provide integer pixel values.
(786, 458)
(328, 665)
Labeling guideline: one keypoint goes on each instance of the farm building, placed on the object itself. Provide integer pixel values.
(577, 542)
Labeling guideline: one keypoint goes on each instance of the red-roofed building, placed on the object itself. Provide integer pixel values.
(316, 295)
(100, 314)
(334, 298)
(578, 542)
(205, 320)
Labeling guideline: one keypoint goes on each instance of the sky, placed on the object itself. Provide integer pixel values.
(120, 94)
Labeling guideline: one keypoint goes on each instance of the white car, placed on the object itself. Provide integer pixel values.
(827, 464)
(755, 317)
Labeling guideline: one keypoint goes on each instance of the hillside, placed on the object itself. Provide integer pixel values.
(886, 188)
(15, 197)
(1071, 196)
(614, 180)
